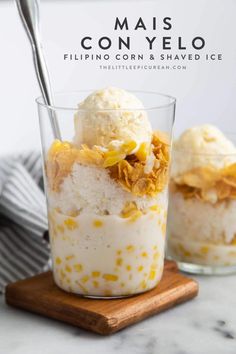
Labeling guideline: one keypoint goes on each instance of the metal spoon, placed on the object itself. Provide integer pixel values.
(29, 13)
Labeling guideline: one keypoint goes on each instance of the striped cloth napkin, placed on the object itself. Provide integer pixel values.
(23, 218)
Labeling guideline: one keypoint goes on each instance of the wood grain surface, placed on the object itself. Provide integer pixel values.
(39, 294)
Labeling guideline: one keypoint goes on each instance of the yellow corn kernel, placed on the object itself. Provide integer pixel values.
(119, 252)
(130, 248)
(68, 268)
(142, 152)
(128, 267)
(85, 279)
(119, 261)
(183, 251)
(96, 274)
(58, 260)
(154, 248)
(71, 224)
(204, 249)
(95, 283)
(78, 267)
(110, 277)
(140, 268)
(97, 223)
(143, 284)
(128, 147)
(156, 208)
(152, 275)
(156, 256)
(233, 242)
(68, 258)
(144, 255)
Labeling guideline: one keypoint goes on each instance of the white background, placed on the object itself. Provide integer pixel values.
(205, 92)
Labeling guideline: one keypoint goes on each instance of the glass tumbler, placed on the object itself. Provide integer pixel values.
(107, 199)
(202, 214)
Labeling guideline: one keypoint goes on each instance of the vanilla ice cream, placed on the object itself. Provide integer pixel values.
(107, 199)
(111, 116)
(202, 223)
(200, 146)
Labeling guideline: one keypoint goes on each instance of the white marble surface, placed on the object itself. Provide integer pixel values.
(206, 324)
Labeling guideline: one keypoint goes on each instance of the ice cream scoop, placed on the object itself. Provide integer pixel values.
(111, 116)
(199, 146)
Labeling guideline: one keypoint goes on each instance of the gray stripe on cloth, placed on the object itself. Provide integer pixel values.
(23, 218)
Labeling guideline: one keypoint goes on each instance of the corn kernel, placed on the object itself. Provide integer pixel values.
(156, 256)
(143, 284)
(130, 248)
(85, 279)
(183, 251)
(68, 268)
(119, 261)
(68, 258)
(128, 147)
(110, 277)
(142, 152)
(144, 255)
(58, 260)
(233, 242)
(204, 249)
(96, 274)
(128, 267)
(71, 224)
(95, 283)
(156, 208)
(152, 275)
(119, 252)
(140, 268)
(78, 267)
(97, 223)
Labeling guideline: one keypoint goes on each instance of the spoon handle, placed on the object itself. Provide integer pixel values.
(29, 14)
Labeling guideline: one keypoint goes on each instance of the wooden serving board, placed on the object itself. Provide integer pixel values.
(39, 294)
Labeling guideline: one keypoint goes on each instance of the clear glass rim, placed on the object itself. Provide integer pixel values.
(172, 100)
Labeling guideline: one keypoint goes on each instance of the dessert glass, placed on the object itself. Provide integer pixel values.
(202, 215)
(106, 241)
